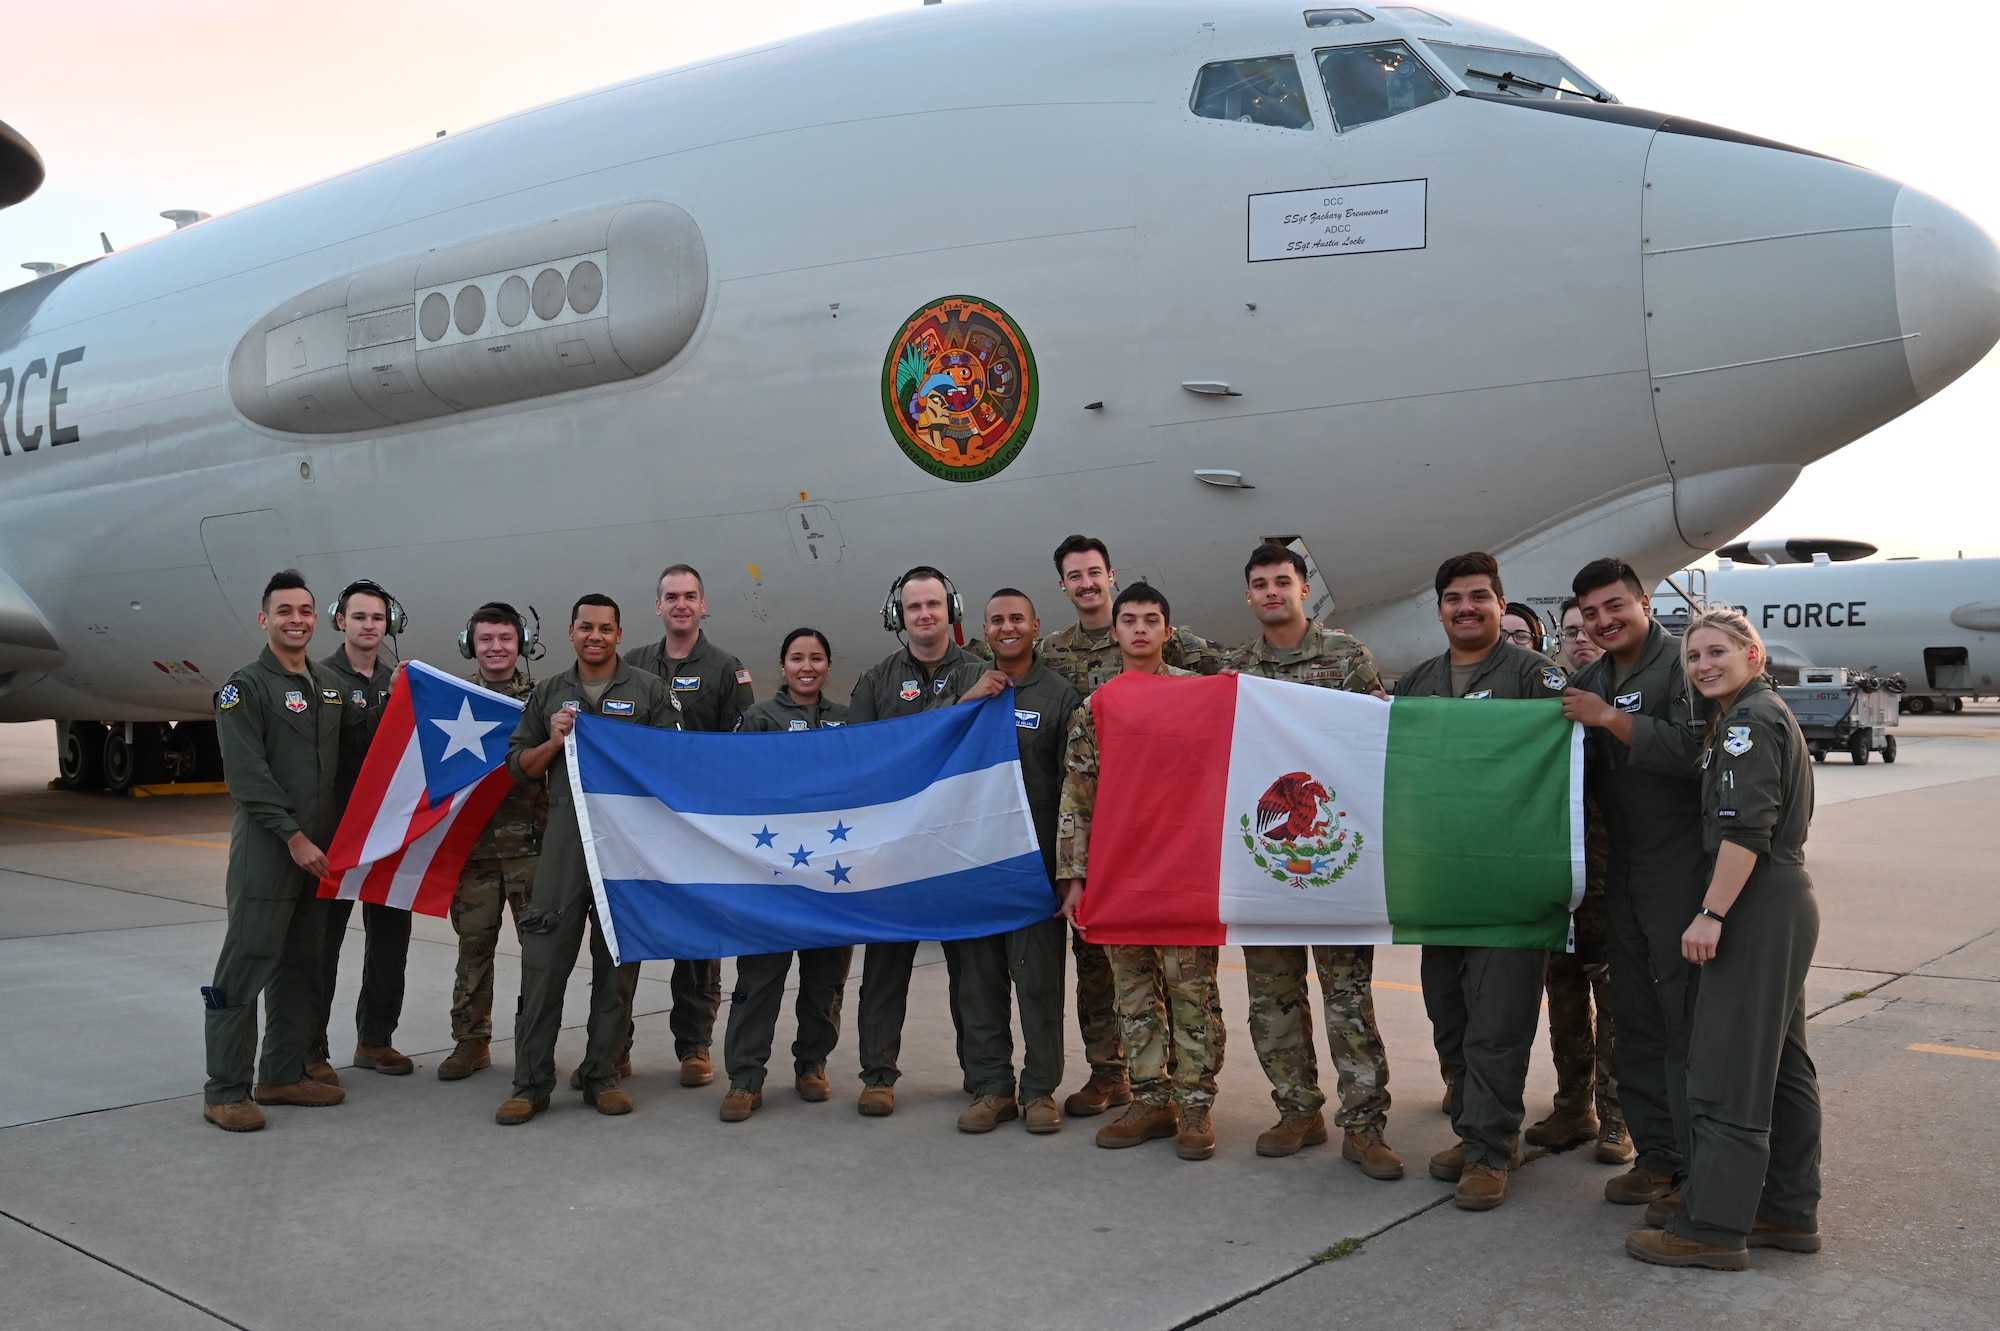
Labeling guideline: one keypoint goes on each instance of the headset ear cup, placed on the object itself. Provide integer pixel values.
(465, 642)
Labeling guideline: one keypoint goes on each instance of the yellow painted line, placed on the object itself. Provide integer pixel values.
(182, 788)
(105, 831)
(1953, 1049)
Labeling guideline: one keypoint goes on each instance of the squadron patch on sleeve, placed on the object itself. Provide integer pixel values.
(1552, 679)
(1737, 742)
(229, 697)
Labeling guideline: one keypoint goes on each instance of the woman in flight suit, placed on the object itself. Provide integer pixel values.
(1753, 1172)
(805, 659)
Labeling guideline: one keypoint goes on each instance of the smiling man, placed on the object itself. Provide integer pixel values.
(1640, 767)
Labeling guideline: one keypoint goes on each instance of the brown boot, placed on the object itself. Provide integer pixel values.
(305, 1093)
(988, 1112)
(1663, 1247)
(383, 1059)
(696, 1069)
(623, 1068)
(516, 1109)
(1196, 1140)
(813, 1087)
(1764, 1235)
(740, 1103)
(1292, 1132)
(1042, 1115)
(1365, 1147)
(466, 1059)
(1480, 1188)
(322, 1071)
(1560, 1131)
(610, 1100)
(1141, 1122)
(1614, 1145)
(1638, 1186)
(1449, 1164)
(1103, 1091)
(877, 1101)
(1665, 1209)
(236, 1116)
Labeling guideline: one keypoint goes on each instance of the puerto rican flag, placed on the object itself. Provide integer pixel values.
(436, 772)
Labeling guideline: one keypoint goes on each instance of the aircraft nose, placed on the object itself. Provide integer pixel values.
(1793, 304)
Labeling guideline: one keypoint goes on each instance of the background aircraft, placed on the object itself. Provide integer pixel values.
(809, 315)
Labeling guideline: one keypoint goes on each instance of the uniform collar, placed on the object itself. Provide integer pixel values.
(622, 675)
(700, 646)
(1089, 637)
(953, 654)
(1750, 690)
(1308, 647)
(269, 660)
(338, 661)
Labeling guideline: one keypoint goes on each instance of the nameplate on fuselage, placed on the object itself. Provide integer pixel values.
(1339, 219)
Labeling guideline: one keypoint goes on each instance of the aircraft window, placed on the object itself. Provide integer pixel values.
(1263, 91)
(1336, 18)
(1369, 83)
(1517, 73)
(1411, 14)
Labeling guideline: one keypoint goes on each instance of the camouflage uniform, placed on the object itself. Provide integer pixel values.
(1164, 996)
(1583, 1055)
(499, 873)
(1280, 1005)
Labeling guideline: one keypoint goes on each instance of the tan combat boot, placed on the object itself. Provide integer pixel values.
(1365, 1147)
(467, 1058)
(610, 1100)
(740, 1103)
(877, 1101)
(1196, 1140)
(305, 1093)
(987, 1113)
(1292, 1132)
(813, 1086)
(1103, 1091)
(1042, 1115)
(236, 1116)
(1449, 1164)
(1665, 1209)
(384, 1059)
(322, 1071)
(1638, 1186)
(1763, 1235)
(517, 1109)
(1665, 1248)
(1142, 1121)
(623, 1068)
(696, 1070)
(1480, 1188)
(1614, 1145)
(1560, 1131)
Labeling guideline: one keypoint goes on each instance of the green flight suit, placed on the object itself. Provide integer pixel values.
(711, 689)
(498, 874)
(1089, 657)
(1485, 1002)
(1650, 795)
(282, 735)
(760, 979)
(1753, 1095)
(1031, 958)
(562, 887)
(901, 685)
(385, 957)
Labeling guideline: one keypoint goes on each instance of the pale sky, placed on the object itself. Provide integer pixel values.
(138, 106)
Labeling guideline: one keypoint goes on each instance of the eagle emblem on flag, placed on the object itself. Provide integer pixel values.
(1297, 836)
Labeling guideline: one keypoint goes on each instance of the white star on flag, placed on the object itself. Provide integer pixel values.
(467, 733)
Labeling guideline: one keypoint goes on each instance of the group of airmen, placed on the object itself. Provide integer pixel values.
(1698, 800)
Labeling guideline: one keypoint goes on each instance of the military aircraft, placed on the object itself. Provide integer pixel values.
(943, 287)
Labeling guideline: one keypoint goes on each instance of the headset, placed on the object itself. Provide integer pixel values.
(892, 608)
(530, 639)
(399, 623)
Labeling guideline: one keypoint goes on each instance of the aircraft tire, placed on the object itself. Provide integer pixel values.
(138, 763)
(80, 755)
(1957, 705)
(1917, 705)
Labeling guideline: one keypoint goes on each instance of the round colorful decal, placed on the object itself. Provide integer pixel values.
(959, 388)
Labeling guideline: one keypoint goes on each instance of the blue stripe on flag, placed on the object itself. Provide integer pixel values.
(779, 772)
(654, 920)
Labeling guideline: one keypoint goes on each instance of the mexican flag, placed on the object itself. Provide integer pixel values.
(1233, 809)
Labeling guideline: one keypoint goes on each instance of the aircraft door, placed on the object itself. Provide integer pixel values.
(244, 550)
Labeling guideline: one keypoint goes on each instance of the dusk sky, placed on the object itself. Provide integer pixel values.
(215, 104)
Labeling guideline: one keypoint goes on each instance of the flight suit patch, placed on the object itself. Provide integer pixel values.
(1737, 742)
(1725, 813)
(743, 677)
(295, 700)
(686, 683)
(1629, 702)
(329, 695)
(1483, 693)
(619, 707)
(937, 686)
(828, 725)
(1025, 720)
(910, 690)
(229, 697)
(798, 725)
(1552, 679)
(359, 698)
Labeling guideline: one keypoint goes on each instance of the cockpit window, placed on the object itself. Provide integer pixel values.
(1411, 14)
(1517, 73)
(1336, 18)
(1266, 90)
(1365, 84)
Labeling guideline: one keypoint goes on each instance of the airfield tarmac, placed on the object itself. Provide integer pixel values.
(408, 1206)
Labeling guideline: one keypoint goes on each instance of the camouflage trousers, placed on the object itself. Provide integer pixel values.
(1169, 995)
(1580, 1046)
(485, 889)
(1281, 1031)
(1096, 1014)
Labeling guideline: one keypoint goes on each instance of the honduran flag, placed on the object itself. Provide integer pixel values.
(436, 771)
(1235, 809)
(709, 845)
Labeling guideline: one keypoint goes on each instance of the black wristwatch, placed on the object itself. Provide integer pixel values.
(1713, 915)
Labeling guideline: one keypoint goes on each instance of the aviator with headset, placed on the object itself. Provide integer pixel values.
(528, 639)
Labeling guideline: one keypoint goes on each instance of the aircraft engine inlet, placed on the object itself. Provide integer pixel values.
(592, 299)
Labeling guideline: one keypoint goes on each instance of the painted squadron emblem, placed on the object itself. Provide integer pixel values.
(1736, 742)
(1295, 839)
(959, 388)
